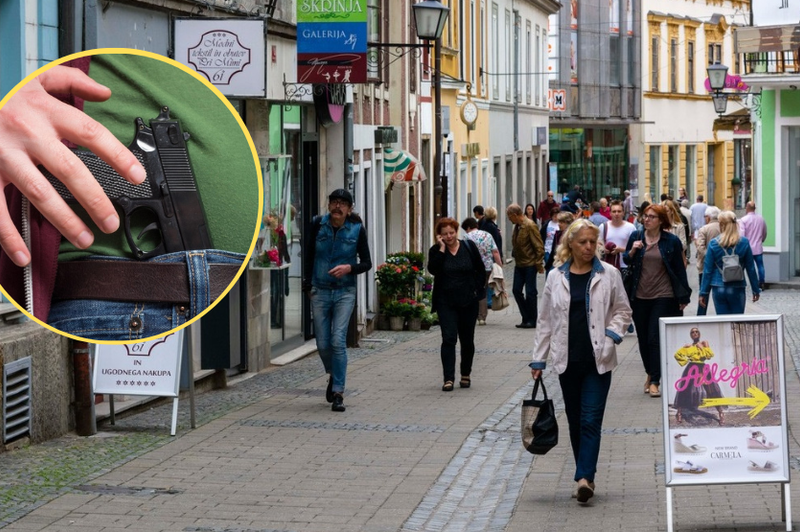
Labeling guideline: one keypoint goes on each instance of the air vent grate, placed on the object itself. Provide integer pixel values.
(16, 399)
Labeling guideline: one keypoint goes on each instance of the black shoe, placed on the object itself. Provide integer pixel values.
(338, 403)
(329, 389)
(762, 286)
(527, 326)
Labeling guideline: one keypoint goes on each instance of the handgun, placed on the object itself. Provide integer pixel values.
(170, 190)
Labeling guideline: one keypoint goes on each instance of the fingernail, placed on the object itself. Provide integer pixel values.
(84, 240)
(21, 258)
(110, 224)
(138, 174)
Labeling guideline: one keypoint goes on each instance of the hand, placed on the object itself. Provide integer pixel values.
(637, 245)
(682, 306)
(32, 125)
(440, 242)
(340, 270)
(702, 302)
(536, 374)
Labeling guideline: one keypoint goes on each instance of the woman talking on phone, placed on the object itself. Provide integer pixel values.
(459, 283)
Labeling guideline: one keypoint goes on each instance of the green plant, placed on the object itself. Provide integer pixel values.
(415, 309)
(395, 308)
(408, 257)
(429, 317)
(396, 280)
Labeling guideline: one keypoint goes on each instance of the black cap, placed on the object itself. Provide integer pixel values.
(341, 193)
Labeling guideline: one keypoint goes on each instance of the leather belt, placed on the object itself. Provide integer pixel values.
(136, 281)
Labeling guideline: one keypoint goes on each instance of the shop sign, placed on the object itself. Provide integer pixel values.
(228, 53)
(332, 41)
(724, 400)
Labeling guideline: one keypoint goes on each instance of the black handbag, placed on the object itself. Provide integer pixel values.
(539, 426)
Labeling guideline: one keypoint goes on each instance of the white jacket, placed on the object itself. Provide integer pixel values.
(609, 317)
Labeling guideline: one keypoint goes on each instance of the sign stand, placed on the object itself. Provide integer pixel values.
(148, 368)
(724, 404)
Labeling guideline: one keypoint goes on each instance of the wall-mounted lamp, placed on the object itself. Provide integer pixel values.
(717, 74)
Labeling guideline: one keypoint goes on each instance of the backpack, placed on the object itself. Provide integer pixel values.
(731, 267)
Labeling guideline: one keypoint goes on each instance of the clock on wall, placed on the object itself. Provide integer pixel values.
(469, 112)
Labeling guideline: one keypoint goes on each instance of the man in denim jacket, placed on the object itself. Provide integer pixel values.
(339, 252)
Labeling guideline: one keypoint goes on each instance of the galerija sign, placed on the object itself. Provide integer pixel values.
(332, 41)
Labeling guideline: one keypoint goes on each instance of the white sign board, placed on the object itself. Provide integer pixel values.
(776, 13)
(724, 400)
(227, 52)
(147, 368)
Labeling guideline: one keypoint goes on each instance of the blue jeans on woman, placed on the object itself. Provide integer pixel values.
(729, 299)
(585, 392)
(331, 309)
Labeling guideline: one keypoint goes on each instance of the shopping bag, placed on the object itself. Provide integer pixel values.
(539, 426)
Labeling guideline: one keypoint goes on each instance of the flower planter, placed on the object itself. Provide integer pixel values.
(396, 323)
(414, 324)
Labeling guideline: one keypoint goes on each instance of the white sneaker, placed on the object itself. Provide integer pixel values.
(481, 322)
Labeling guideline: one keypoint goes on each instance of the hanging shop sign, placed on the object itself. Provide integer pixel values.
(332, 41)
(724, 400)
(228, 52)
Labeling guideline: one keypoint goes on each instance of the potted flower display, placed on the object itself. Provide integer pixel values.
(396, 311)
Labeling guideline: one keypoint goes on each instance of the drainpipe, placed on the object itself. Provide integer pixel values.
(85, 421)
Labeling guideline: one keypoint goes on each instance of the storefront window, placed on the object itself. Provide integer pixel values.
(594, 159)
(740, 184)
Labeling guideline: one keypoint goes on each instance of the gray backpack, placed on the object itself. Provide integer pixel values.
(731, 267)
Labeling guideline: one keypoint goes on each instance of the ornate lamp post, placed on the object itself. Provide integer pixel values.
(430, 17)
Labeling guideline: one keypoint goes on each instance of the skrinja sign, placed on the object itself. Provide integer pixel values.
(332, 41)
(227, 52)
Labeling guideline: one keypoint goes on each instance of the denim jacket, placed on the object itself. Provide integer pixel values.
(333, 249)
(672, 254)
(607, 310)
(712, 274)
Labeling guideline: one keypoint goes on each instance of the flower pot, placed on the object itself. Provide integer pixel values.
(396, 323)
(414, 324)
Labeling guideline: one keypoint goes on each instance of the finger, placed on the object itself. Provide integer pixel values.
(10, 240)
(64, 79)
(42, 194)
(84, 187)
(85, 131)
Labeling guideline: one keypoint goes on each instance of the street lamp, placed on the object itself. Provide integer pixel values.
(717, 74)
(430, 17)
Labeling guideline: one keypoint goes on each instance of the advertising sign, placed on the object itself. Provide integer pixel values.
(777, 13)
(332, 41)
(228, 52)
(724, 402)
(147, 368)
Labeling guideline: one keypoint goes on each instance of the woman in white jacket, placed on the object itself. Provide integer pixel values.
(588, 314)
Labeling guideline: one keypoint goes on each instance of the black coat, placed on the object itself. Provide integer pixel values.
(436, 264)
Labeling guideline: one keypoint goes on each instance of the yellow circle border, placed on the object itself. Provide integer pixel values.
(224, 100)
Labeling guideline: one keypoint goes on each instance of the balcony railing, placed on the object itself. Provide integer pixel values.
(787, 62)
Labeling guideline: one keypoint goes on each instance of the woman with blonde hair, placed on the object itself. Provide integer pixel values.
(588, 314)
(729, 296)
(678, 227)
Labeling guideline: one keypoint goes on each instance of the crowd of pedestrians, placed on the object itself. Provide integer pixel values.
(608, 266)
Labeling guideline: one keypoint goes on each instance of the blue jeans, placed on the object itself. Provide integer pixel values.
(760, 268)
(121, 320)
(457, 324)
(585, 392)
(729, 299)
(526, 278)
(702, 311)
(331, 309)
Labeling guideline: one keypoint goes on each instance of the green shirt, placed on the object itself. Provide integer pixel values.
(221, 158)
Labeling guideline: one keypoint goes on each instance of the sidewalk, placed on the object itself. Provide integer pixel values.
(269, 455)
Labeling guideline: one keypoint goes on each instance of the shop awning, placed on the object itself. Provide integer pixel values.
(399, 166)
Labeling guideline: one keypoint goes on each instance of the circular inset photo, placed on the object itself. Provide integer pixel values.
(132, 196)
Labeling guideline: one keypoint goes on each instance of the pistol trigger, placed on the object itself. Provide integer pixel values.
(150, 227)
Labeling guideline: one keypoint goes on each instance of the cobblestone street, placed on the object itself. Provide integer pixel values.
(268, 454)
